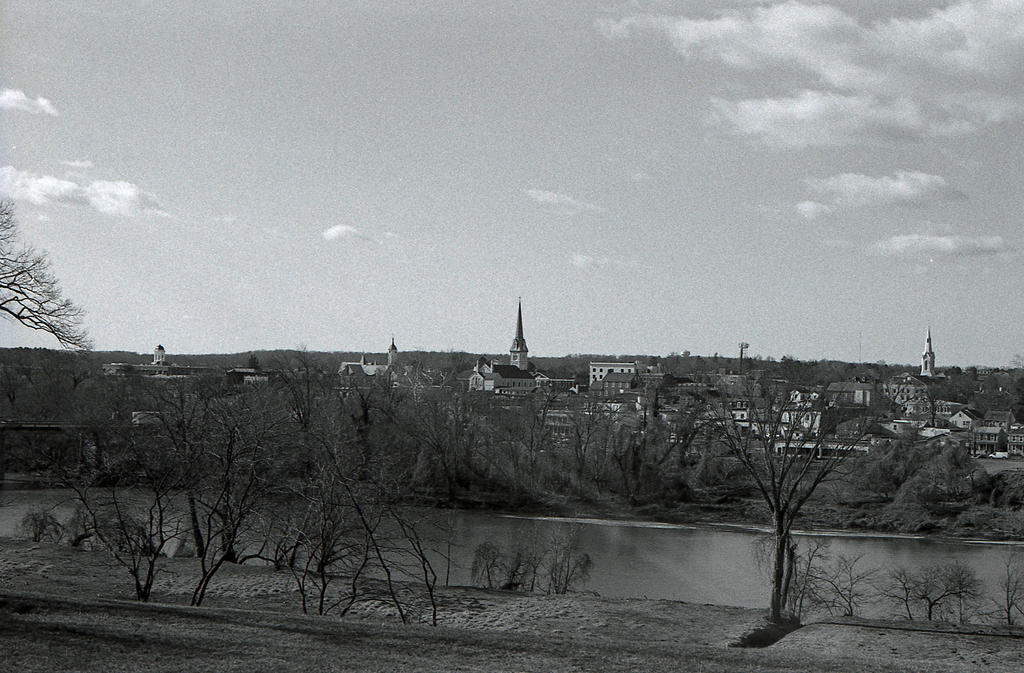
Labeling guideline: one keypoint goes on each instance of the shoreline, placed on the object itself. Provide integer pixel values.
(755, 528)
(612, 514)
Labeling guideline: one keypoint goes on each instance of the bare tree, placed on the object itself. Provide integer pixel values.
(899, 587)
(419, 549)
(942, 590)
(29, 292)
(565, 564)
(133, 516)
(330, 543)
(231, 478)
(1011, 585)
(40, 525)
(807, 564)
(588, 432)
(783, 444)
(444, 428)
(843, 586)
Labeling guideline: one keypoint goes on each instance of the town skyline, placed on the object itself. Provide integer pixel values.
(823, 180)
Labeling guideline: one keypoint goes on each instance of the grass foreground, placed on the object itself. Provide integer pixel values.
(63, 609)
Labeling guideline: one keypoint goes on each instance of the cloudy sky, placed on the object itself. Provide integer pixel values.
(817, 179)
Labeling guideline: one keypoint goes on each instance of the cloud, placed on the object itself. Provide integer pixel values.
(562, 203)
(587, 261)
(903, 187)
(944, 71)
(812, 209)
(816, 118)
(341, 231)
(951, 246)
(15, 99)
(78, 163)
(120, 198)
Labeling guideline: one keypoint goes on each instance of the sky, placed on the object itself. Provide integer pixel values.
(820, 180)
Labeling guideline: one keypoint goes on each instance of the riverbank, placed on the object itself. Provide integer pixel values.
(252, 623)
(872, 518)
(822, 515)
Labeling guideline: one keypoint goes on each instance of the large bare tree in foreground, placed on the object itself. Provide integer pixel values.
(787, 447)
(29, 292)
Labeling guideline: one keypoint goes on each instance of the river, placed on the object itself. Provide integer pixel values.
(695, 563)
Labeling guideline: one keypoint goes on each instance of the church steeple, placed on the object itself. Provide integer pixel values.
(928, 357)
(392, 352)
(518, 354)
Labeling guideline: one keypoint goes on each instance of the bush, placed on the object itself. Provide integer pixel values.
(40, 525)
(78, 527)
(554, 569)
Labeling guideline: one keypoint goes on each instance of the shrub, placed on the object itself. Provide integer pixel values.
(554, 569)
(78, 527)
(40, 525)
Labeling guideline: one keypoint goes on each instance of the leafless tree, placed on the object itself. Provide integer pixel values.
(808, 562)
(942, 590)
(588, 433)
(564, 564)
(489, 567)
(444, 428)
(133, 514)
(785, 447)
(1011, 585)
(417, 547)
(899, 587)
(30, 293)
(40, 525)
(230, 480)
(843, 586)
(330, 544)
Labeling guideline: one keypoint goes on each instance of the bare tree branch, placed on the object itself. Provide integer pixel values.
(30, 294)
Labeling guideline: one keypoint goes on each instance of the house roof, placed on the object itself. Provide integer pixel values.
(973, 414)
(618, 377)
(996, 415)
(512, 372)
(907, 377)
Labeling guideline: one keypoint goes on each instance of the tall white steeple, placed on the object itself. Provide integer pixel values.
(928, 357)
(518, 354)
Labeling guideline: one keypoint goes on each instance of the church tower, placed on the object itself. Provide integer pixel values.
(928, 357)
(517, 355)
(392, 353)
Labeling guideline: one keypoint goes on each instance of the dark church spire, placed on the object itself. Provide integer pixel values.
(518, 354)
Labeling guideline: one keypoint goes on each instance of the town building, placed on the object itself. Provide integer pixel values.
(1015, 439)
(361, 374)
(616, 383)
(904, 388)
(515, 378)
(988, 439)
(598, 370)
(161, 367)
(964, 419)
(1001, 418)
(850, 393)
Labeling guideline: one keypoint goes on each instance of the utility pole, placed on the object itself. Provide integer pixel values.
(743, 348)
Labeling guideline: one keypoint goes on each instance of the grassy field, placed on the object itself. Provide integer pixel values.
(66, 610)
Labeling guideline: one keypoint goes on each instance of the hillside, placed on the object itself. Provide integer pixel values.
(250, 626)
